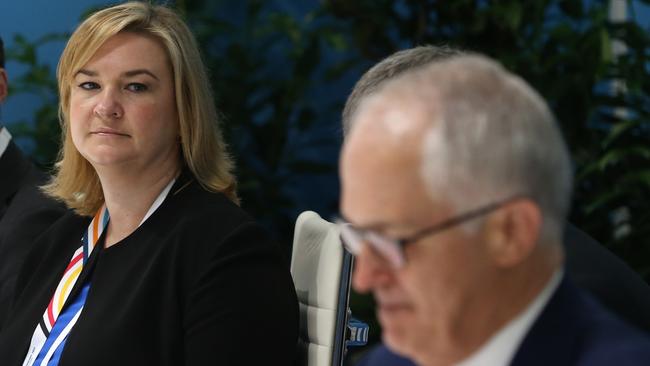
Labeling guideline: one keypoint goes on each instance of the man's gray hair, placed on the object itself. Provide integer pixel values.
(389, 68)
(491, 136)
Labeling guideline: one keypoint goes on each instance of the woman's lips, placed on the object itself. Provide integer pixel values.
(108, 132)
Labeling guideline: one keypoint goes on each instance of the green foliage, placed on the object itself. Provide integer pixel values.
(264, 66)
(39, 81)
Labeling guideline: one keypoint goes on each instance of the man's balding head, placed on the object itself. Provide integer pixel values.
(388, 69)
(484, 125)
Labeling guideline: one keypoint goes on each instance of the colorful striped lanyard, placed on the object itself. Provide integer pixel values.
(43, 341)
(63, 290)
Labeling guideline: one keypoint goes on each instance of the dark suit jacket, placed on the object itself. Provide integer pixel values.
(607, 278)
(198, 283)
(572, 330)
(25, 212)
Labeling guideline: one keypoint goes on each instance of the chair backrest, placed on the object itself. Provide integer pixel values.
(321, 274)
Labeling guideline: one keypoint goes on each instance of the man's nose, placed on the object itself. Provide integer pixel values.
(370, 271)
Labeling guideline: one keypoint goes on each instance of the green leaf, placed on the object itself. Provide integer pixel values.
(641, 178)
(512, 13)
(606, 55)
(285, 24)
(601, 200)
(618, 130)
(615, 156)
(335, 40)
(338, 69)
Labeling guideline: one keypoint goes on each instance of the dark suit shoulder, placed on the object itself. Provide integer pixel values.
(15, 166)
(382, 356)
(580, 331)
(609, 340)
(607, 278)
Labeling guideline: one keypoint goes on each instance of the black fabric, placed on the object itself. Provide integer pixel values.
(606, 277)
(14, 170)
(197, 284)
(25, 213)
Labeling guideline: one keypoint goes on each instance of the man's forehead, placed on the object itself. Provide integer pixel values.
(380, 166)
(392, 116)
(388, 134)
(382, 190)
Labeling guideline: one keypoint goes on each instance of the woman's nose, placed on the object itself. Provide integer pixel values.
(108, 106)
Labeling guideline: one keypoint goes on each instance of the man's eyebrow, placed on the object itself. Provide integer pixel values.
(140, 71)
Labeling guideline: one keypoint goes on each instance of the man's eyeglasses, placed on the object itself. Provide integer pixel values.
(392, 249)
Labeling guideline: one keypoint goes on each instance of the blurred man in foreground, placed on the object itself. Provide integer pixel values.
(591, 266)
(456, 184)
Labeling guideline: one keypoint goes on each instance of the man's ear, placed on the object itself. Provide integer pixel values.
(4, 85)
(512, 232)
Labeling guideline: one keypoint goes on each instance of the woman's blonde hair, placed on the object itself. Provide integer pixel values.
(75, 182)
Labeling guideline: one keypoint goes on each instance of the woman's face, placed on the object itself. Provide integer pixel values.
(122, 106)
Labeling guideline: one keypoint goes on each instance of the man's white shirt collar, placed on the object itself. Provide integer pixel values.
(5, 137)
(501, 347)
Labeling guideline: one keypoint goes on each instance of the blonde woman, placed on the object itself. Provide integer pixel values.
(169, 270)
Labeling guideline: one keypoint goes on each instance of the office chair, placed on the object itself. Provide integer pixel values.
(321, 271)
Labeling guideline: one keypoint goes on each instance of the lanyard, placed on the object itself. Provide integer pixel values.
(44, 339)
(62, 292)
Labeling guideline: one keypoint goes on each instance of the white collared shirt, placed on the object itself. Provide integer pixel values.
(501, 347)
(5, 137)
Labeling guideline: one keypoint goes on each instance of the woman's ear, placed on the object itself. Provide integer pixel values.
(512, 232)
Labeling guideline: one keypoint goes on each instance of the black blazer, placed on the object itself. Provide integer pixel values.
(25, 212)
(198, 283)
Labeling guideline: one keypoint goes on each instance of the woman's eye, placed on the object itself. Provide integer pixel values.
(136, 87)
(89, 85)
